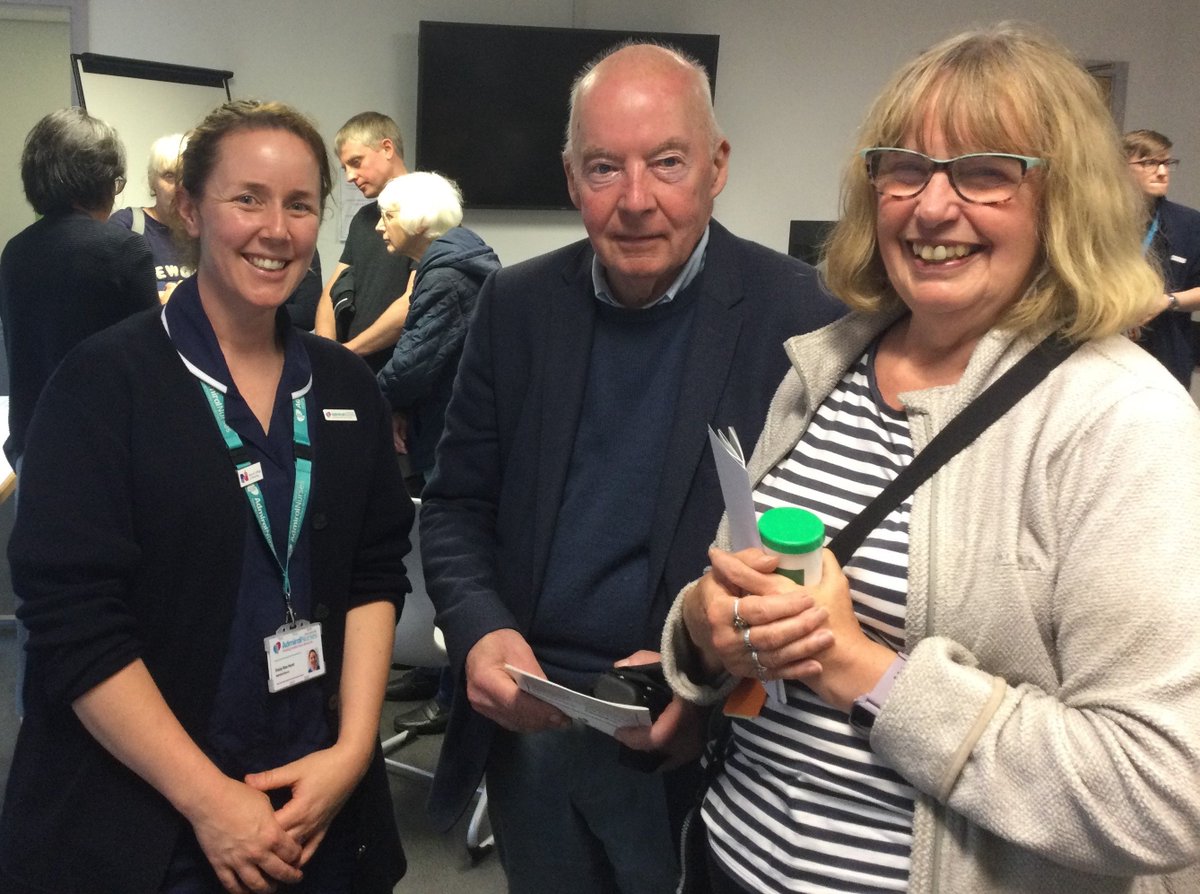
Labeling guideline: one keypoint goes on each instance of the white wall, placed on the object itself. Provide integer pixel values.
(794, 80)
(34, 44)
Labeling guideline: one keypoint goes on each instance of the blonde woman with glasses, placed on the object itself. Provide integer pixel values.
(998, 692)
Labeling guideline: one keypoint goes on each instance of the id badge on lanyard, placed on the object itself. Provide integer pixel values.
(295, 653)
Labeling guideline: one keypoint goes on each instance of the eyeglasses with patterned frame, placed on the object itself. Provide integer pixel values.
(982, 178)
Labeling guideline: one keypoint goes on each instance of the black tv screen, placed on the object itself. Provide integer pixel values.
(492, 104)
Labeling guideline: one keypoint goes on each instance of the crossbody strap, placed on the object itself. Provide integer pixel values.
(995, 400)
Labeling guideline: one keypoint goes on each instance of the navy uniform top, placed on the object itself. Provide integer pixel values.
(251, 729)
(1175, 242)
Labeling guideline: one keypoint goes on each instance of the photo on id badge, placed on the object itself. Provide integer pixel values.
(294, 655)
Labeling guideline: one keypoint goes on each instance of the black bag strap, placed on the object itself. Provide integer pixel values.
(995, 400)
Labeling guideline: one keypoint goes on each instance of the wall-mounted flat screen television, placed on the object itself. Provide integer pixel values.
(492, 104)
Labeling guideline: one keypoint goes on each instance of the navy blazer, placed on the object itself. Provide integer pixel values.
(489, 512)
(1180, 227)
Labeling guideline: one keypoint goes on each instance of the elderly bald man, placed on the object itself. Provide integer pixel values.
(574, 493)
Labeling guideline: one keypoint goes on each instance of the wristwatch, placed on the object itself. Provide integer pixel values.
(1172, 301)
(867, 707)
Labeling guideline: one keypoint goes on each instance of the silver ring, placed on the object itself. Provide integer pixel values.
(746, 639)
(759, 670)
(739, 623)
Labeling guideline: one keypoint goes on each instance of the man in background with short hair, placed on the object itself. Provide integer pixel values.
(365, 301)
(1173, 238)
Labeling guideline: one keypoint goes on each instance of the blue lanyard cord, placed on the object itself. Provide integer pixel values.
(1150, 233)
(302, 447)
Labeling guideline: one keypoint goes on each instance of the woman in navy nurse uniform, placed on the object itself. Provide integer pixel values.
(212, 498)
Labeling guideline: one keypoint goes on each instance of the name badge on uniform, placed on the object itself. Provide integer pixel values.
(340, 416)
(294, 655)
(252, 474)
(1178, 260)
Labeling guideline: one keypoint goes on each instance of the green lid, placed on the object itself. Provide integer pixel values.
(787, 529)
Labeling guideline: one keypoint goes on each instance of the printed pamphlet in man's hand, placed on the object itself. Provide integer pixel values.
(607, 717)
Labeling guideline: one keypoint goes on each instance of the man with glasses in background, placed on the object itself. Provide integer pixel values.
(1173, 236)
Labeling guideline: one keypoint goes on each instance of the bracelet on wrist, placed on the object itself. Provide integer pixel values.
(1172, 301)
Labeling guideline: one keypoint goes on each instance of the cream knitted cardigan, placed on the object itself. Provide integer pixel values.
(1049, 713)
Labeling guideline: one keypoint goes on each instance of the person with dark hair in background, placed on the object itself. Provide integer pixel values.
(574, 491)
(212, 494)
(365, 300)
(72, 273)
(1173, 238)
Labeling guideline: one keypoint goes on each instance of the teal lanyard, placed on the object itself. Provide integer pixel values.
(1150, 234)
(302, 447)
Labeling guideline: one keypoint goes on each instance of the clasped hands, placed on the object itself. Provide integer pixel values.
(787, 631)
(253, 847)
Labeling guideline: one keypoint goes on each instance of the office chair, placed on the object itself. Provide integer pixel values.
(419, 643)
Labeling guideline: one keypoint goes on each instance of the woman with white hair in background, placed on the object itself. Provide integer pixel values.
(420, 216)
(154, 222)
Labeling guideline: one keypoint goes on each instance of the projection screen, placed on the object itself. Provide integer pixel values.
(143, 101)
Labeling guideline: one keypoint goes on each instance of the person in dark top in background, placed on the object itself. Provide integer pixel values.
(574, 491)
(366, 298)
(302, 303)
(1173, 237)
(155, 221)
(72, 273)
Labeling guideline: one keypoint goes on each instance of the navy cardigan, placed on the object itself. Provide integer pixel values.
(128, 545)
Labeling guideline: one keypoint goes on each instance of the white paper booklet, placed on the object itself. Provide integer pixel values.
(607, 717)
(735, 488)
(739, 506)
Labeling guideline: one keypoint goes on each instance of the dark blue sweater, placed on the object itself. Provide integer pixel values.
(595, 604)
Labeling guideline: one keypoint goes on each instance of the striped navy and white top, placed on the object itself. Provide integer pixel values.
(802, 804)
